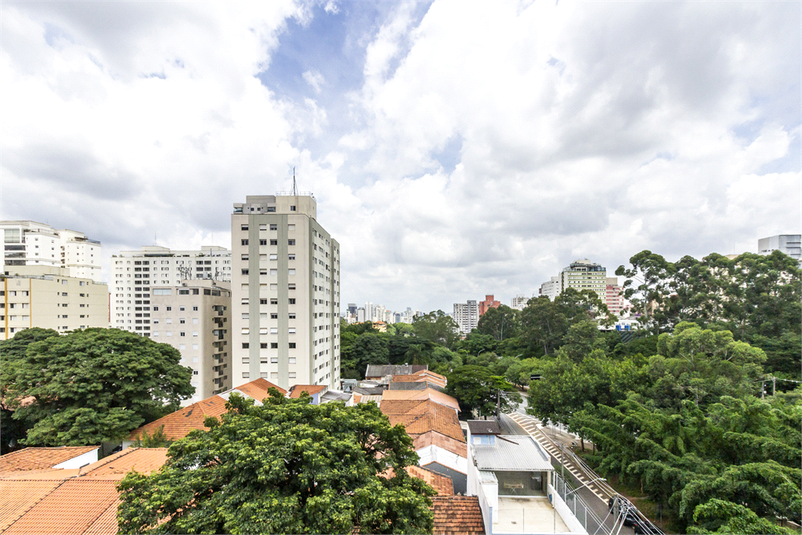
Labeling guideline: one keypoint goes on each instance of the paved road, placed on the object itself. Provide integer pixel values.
(591, 494)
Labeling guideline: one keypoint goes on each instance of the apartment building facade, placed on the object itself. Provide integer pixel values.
(135, 273)
(579, 275)
(195, 318)
(47, 297)
(790, 244)
(285, 293)
(29, 243)
(466, 315)
(489, 302)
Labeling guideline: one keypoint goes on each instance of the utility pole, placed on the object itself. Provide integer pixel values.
(773, 385)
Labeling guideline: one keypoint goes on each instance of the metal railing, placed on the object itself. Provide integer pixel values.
(581, 510)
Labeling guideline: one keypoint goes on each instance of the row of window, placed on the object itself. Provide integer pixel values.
(273, 226)
(263, 345)
(272, 242)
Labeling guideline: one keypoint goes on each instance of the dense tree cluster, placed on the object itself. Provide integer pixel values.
(679, 407)
(87, 386)
(285, 466)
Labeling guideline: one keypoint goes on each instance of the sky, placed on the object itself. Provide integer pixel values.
(455, 148)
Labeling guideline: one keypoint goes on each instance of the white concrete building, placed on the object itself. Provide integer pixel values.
(285, 293)
(28, 243)
(790, 244)
(134, 273)
(466, 315)
(519, 302)
(195, 318)
(580, 275)
(46, 297)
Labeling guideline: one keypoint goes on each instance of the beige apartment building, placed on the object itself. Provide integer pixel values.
(134, 273)
(195, 318)
(45, 296)
(579, 275)
(28, 243)
(285, 293)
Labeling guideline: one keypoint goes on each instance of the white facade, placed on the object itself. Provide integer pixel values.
(134, 273)
(285, 293)
(28, 243)
(46, 297)
(790, 244)
(195, 318)
(580, 275)
(519, 302)
(466, 315)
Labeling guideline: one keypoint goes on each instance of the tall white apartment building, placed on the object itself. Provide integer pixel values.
(790, 244)
(285, 293)
(466, 315)
(134, 273)
(47, 297)
(519, 302)
(28, 243)
(579, 275)
(195, 318)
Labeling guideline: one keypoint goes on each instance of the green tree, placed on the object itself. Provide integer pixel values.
(91, 385)
(477, 389)
(286, 466)
(370, 348)
(437, 327)
(501, 323)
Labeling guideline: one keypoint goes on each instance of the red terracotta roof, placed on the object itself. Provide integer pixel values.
(429, 393)
(143, 460)
(297, 390)
(433, 438)
(424, 416)
(71, 508)
(258, 388)
(40, 458)
(440, 483)
(178, 424)
(71, 501)
(457, 514)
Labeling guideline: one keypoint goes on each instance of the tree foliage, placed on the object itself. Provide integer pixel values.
(479, 391)
(91, 385)
(286, 466)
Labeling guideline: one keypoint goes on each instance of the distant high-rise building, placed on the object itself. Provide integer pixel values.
(136, 272)
(28, 243)
(613, 297)
(551, 288)
(466, 315)
(519, 302)
(488, 303)
(47, 297)
(285, 293)
(790, 244)
(195, 318)
(360, 315)
(580, 275)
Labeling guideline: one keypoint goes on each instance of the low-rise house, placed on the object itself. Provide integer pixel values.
(513, 478)
(420, 395)
(178, 424)
(378, 372)
(35, 498)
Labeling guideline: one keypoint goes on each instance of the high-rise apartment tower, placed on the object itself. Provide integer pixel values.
(285, 293)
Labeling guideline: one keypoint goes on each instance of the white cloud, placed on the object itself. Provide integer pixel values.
(487, 145)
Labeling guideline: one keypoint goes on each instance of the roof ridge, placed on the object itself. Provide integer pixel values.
(106, 460)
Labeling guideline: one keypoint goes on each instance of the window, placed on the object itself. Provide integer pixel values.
(244, 315)
(292, 330)
(274, 360)
(246, 375)
(182, 320)
(291, 257)
(292, 345)
(292, 300)
(244, 242)
(183, 333)
(292, 375)
(292, 315)
(182, 308)
(292, 286)
(273, 226)
(244, 227)
(274, 345)
(263, 345)
(292, 208)
(273, 257)
(290, 242)
(273, 242)
(245, 345)
(262, 227)
(155, 308)
(291, 272)
(261, 302)
(273, 301)
(194, 372)
(168, 320)
(291, 226)
(291, 360)
(274, 271)
(245, 257)
(195, 320)
(264, 242)
(273, 330)
(273, 316)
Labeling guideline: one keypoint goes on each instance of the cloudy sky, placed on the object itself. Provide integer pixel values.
(455, 148)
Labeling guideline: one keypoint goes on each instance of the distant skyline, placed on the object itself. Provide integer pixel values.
(455, 148)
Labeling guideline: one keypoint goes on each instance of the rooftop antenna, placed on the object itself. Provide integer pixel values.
(294, 185)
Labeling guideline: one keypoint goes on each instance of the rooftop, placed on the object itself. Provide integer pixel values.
(429, 393)
(457, 514)
(40, 458)
(516, 453)
(484, 427)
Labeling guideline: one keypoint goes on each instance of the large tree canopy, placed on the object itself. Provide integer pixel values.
(286, 466)
(477, 389)
(89, 386)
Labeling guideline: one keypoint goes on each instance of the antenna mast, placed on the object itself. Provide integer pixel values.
(294, 185)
